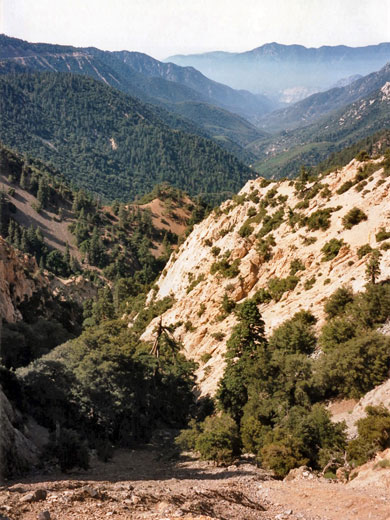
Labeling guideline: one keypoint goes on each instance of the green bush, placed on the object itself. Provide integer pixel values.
(295, 266)
(336, 303)
(264, 247)
(336, 331)
(262, 296)
(355, 366)
(219, 440)
(228, 305)
(353, 217)
(309, 283)
(345, 187)
(246, 229)
(295, 334)
(282, 455)
(382, 235)
(225, 268)
(278, 286)
(331, 249)
(373, 435)
(362, 156)
(320, 219)
(364, 250)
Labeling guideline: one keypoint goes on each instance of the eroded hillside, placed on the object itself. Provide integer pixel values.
(286, 242)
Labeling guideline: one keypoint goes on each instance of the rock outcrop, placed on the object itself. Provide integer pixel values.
(17, 452)
(199, 321)
(19, 279)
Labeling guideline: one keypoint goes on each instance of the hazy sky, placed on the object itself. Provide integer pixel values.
(165, 27)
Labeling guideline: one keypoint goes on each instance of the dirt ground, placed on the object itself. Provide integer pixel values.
(151, 484)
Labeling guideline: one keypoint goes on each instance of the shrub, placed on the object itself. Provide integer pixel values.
(278, 286)
(215, 250)
(303, 204)
(262, 296)
(295, 266)
(353, 217)
(219, 440)
(382, 235)
(218, 336)
(362, 156)
(202, 308)
(336, 303)
(195, 282)
(283, 455)
(336, 331)
(364, 250)
(320, 219)
(271, 222)
(245, 230)
(309, 283)
(264, 247)
(295, 335)
(356, 366)
(331, 249)
(225, 268)
(308, 241)
(345, 187)
(373, 435)
(205, 357)
(227, 304)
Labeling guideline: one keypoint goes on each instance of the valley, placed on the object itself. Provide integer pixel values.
(194, 283)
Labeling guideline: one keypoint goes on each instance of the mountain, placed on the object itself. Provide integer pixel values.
(106, 141)
(273, 69)
(269, 244)
(167, 86)
(242, 102)
(283, 154)
(313, 107)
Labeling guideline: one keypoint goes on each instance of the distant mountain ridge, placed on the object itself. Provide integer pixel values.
(313, 107)
(283, 154)
(273, 67)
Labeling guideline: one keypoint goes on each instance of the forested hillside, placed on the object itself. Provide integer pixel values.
(171, 89)
(283, 154)
(108, 142)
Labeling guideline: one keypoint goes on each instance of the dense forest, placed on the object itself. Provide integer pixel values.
(106, 141)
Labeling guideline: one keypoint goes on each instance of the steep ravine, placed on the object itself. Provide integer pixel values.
(198, 294)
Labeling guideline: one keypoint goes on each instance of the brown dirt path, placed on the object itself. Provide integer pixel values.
(143, 484)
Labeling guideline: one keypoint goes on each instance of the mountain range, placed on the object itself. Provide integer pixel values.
(287, 72)
(313, 107)
(283, 154)
(173, 88)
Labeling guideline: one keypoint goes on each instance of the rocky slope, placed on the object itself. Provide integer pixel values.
(199, 320)
(19, 279)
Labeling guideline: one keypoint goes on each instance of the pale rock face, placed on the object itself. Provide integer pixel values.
(19, 279)
(386, 91)
(198, 293)
(380, 395)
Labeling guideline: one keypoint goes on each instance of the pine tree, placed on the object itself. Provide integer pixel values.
(246, 354)
(43, 192)
(373, 266)
(24, 179)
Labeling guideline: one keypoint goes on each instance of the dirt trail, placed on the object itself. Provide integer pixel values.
(143, 484)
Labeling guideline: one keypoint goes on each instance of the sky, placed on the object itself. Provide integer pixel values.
(162, 28)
